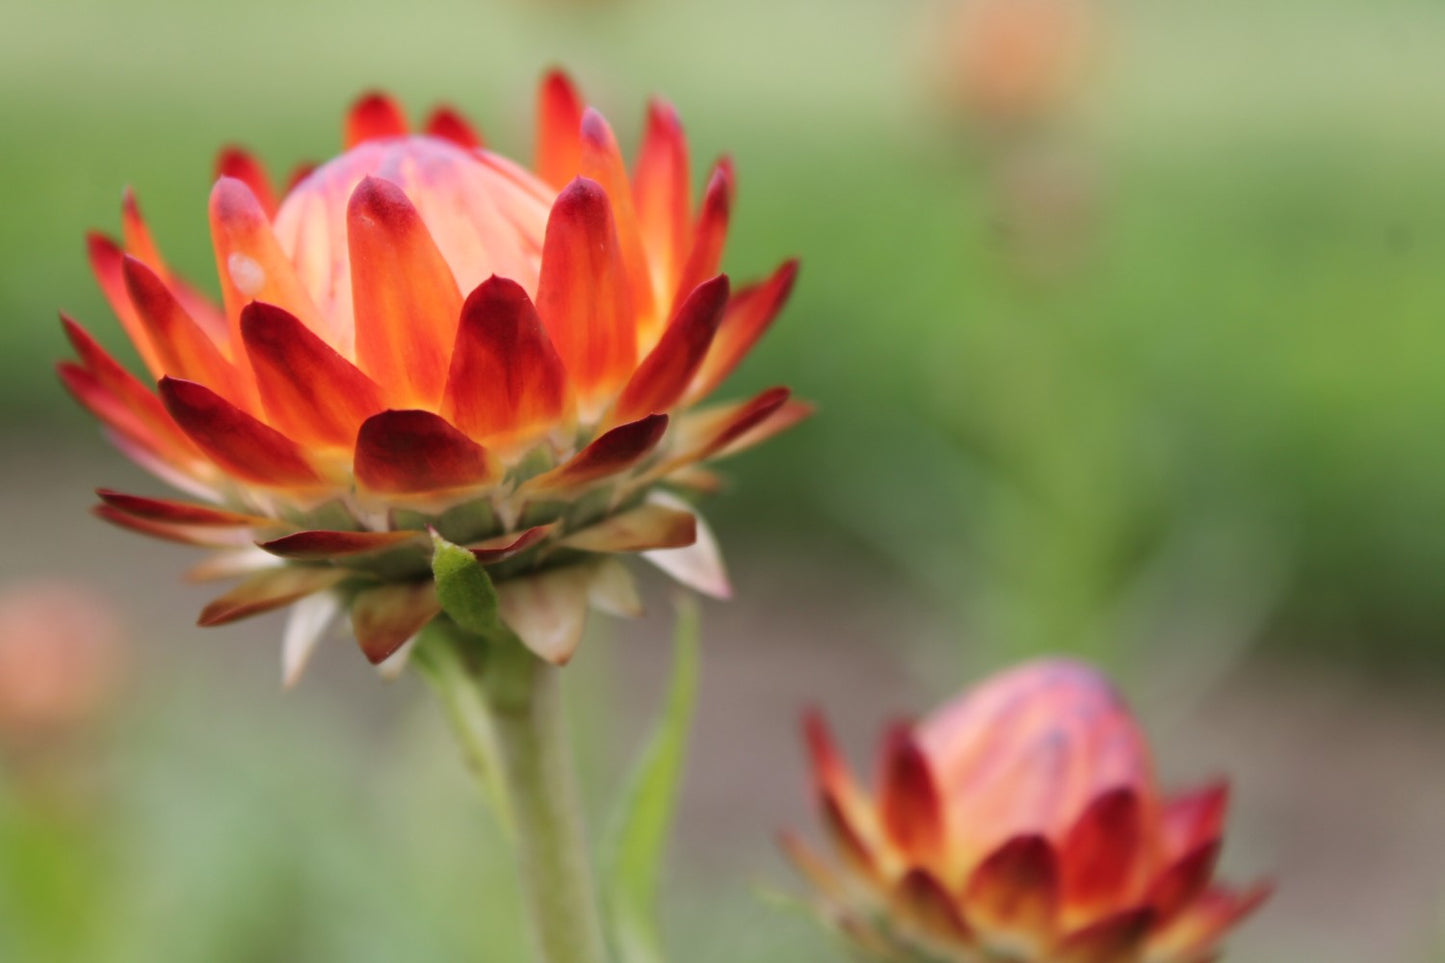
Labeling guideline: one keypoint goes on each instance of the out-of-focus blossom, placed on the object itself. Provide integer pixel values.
(1022, 822)
(421, 334)
(60, 659)
(1014, 61)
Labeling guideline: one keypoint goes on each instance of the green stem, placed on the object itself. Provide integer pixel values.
(532, 765)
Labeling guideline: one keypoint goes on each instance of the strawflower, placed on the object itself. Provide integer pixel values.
(1022, 822)
(421, 336)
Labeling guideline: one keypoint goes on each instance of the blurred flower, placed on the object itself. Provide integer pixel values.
(60, 658)
(1014, 61)
(421, 334)
(1022, 822)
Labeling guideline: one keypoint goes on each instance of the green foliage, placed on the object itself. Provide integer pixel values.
(635, 848)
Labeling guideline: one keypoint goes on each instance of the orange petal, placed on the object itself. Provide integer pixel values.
(234, 440)
(745, 320)
(123, 403)
(267, 590)
(1102, 855)
(183, 348)
(448, 123)
(105, 263)
(640, 529)
(179, 513)
(1183, 881)
(1195, 818)
(704, 257)
(506, 381)
(513, 543)
(782, 418)
(846, 807)
(386, 616)
(849, 841)
(140, 245)
(909, 802)
(602, 162)
(1196, 930)
(374, 117)
(318, 546)
(612, 452)
(712, 432)
(241, 164)
(925, 902)
(416, 453)
(547, 611)
(207, 536)
(250, 261)
(559, 125)
(1013, 895)
(1115, 939)
(406, 299)
(307, 387)
(662, 195)
(583, 295)
(661, 378)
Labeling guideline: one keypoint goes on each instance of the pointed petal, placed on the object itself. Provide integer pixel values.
(782, 418)
(610, 453)
(704, 257)
(643, 528)
(448, 123)
(512, 543)
(924, 901)
(318, 546)
(237, 162)
(583, 295)
(232, 563)
(699, 566)
(417, 452)
(847, 811)
(1115, 939)
(813, 867)
(559, 124)
(1013, 895)
(1183, 880)
(1194, 818)
(662, 377)
(305, 628)
(251, 264)
(267, 590)
(179, 513)
(183, 348)
(547, 611)
(848, 840)
(386, 616)
(309, 389)
(745, 320)
(1196, 930)
(240, 444)
(602, 162)
(613, 590)
(1103, 855)
(405, 296)
(105, 264)
(909, 801)
(207, 536)
(662, 194)
(506, 383)
(145, 418)
(374, 117)
(708, 433)
(136, 235)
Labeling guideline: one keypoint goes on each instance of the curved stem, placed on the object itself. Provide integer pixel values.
(533, 768)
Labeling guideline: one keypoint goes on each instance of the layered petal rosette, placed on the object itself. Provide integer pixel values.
(1021, 822)
(421, 336)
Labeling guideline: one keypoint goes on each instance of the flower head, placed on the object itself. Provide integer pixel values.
(1022, 822)
(423, 335)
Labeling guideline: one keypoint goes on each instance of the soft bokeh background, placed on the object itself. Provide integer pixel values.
(1139, 356)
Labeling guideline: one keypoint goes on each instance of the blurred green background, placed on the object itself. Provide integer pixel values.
(1157, 378)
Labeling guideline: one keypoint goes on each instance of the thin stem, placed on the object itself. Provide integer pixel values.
(533, 767)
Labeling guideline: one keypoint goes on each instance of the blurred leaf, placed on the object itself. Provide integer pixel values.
(464, 588)
(634, 849)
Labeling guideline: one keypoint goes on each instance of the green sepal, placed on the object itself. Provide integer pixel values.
(636, 845)
(464, 588)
